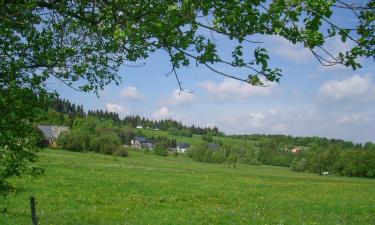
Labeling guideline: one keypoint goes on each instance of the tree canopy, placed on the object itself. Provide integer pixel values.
(83, 43)
(87, 41)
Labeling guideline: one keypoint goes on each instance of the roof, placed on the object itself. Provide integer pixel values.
(138, 138)
(52, 132)
(213, 146)
(182, 145)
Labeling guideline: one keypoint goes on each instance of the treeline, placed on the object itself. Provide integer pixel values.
(287, 141)
(265, 151)
(66, 107)
(63, 112)
(105, 115)
(60, 112)
(173, 126)
(316, 154)
(312, 154)
(358, 162)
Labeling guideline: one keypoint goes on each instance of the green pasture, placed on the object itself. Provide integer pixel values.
(89, 188)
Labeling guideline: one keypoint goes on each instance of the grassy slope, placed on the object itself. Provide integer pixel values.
(196, 139)
(88, 188)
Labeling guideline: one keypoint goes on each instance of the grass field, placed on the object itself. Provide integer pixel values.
(197, 139)
(88, 188)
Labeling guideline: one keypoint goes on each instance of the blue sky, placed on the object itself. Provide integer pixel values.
(310, 100)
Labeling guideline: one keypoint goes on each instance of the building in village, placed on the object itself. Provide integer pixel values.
(213, 146)
(296, 150)
(51, 133)
(182, 147)
(142, 142)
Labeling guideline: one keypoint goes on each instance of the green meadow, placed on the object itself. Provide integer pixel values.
(197, 139)
(89, 188)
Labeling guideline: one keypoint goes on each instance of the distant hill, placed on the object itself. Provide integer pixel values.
(104, 132)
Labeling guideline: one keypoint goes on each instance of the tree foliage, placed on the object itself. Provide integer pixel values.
(172, 126)
(92, 134)
(358, 162)
(18, 138)
(87, 41)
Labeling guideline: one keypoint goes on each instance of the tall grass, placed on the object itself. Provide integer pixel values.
(89, 188)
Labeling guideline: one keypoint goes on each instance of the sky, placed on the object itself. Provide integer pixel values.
(310, 100)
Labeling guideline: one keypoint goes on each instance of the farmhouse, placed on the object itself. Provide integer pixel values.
(182, 147)
(213, 146)
(51, 133)
(142, 142)
(296, 150)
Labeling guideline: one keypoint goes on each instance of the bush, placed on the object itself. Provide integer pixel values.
(173, 131)
(74, 141)
(254, 162)
(299, 165)
(105, 143)
(122, 152)
(208, 138)
(186, 133)
(126, 135)
(161, 150)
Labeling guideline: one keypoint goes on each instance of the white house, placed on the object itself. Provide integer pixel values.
(142, 142)
(139, 127)
(182, 147)
(296, 150)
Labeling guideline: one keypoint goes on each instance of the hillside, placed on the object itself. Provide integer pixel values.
(196, 139)
(90, 188)
(104, 132)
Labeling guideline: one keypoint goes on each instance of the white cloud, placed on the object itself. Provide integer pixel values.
(233, 89)
(356, 125)
(355, 88)
(113, 107)
(285, 49)
(279, 128)
(162, 113)
(300, 54)
(130, 92)
(273, 111)
(257, 119)
(180, 98)
(353, 119)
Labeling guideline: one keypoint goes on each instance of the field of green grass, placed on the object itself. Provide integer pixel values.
(89, 188)
(196, 139)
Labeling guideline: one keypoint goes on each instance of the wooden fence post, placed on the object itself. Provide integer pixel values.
(33, 211)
